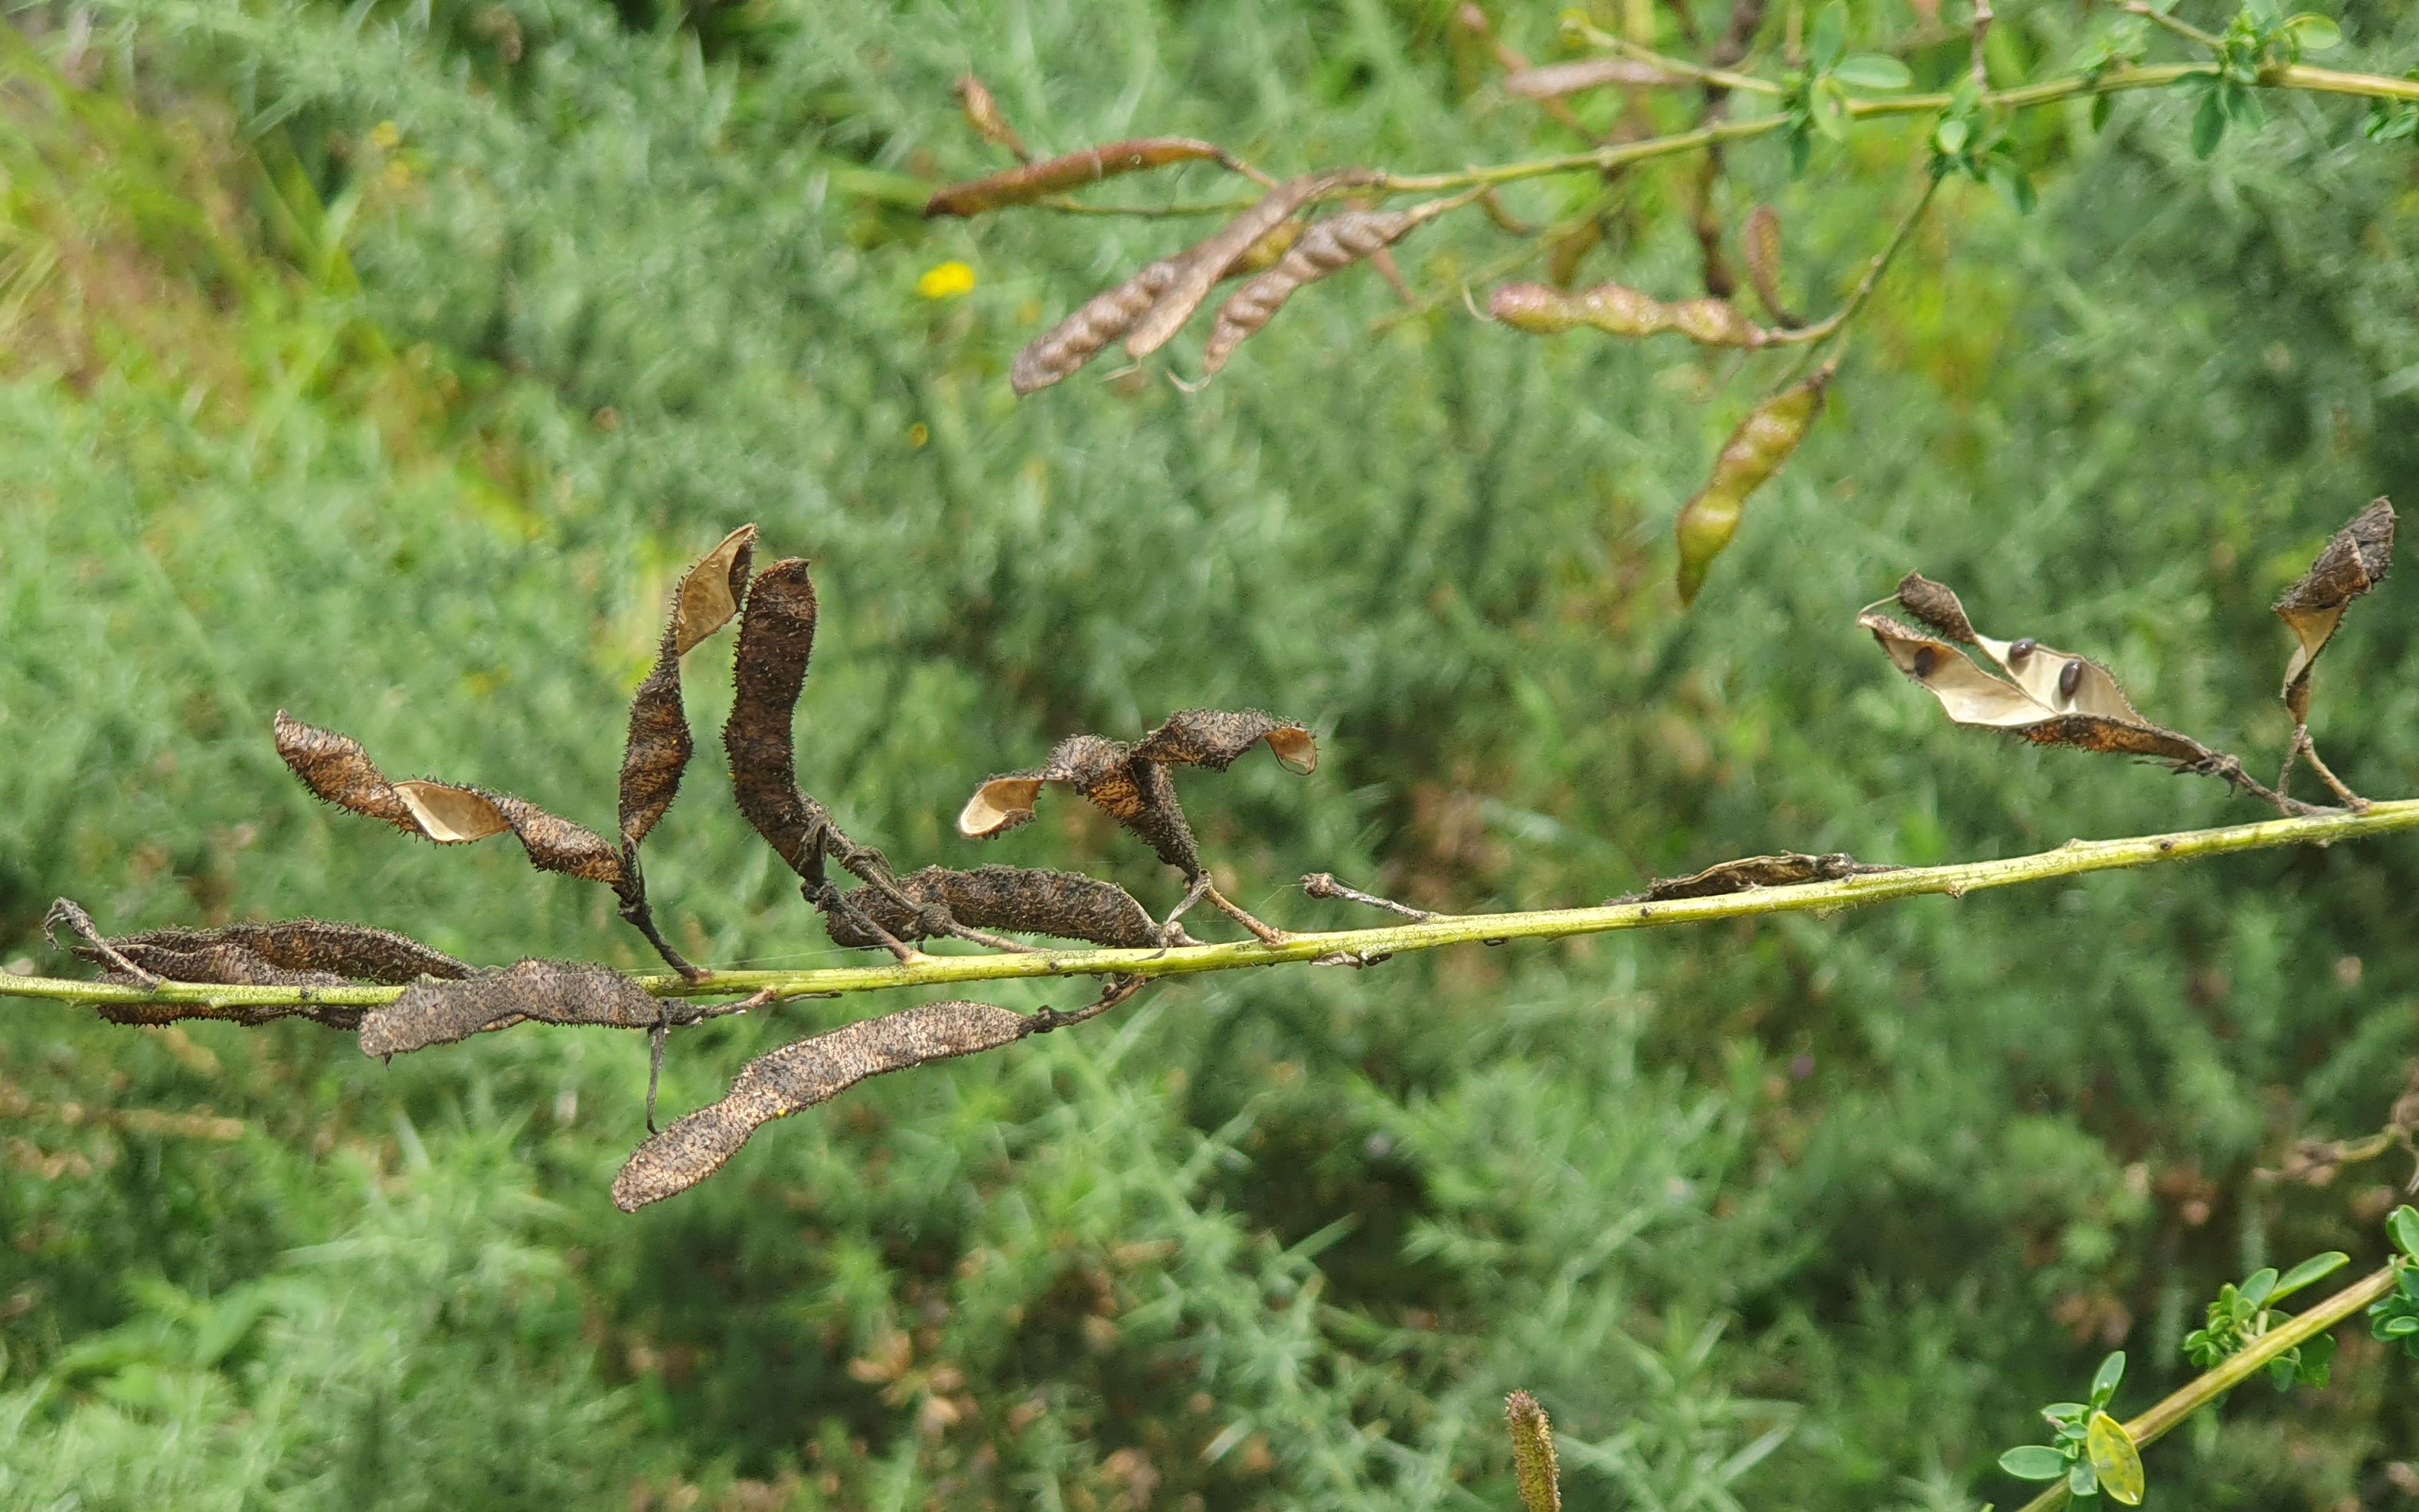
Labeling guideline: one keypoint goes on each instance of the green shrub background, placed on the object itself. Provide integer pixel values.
(384, 364)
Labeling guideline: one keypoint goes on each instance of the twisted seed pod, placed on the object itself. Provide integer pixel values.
(777, 635)
(1330, 246)
(1542, 310)
(1029, 182)
(1060, 351)
(1935, 605)
(982, 113)
(797, 1076)
(1762, 238)
(1016, 899)
(337, 769)
(548, 992)
(659, 747)
(312, 947)
(1201, 268)
(1534, 1473)
(1065, 347)
(1759, 445)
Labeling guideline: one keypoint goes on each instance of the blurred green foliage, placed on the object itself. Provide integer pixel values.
(382, 364)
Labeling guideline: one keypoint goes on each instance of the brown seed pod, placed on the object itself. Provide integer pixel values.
(548, 992)
(2047, 696)
(335, 953)
(2356, 560)
(1787, 870)
(797, 1076)
(660, 745)
(1936, 605)
(1032, 181)
(1200, 268)
(1330, 246)
(982, 113)
(1542, 310)
(776, 636)
(1015, 899)
(1761, 238)
(1065, 347)
(1130, 782)
(337, 769)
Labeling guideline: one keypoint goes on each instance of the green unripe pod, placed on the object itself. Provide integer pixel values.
(1542, 310)
(1754, 452)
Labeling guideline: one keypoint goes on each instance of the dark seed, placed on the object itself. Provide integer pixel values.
(1925, 660)
(2069, 679)
(2022, 649)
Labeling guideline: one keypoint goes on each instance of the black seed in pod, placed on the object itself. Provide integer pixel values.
(1925, 660)
(2022, 649)
(2069, 679)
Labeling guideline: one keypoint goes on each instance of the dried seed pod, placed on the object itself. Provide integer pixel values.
(301, 947)
(1542, 310)
(1790, 869)
(1015, 899)
(548, 992)
(1065, 347)
(982, 113)
(337, 769)
(2355, 560)
(1553, 81)
(1032, 181)
(1058, 352)
(1331, 245)
(1755, 450)
(1535, 1472)
(2035, 699)
(799, 1076)
(1200, 268)
(660, 745)
(1130, 782)
(776, 636)
(1937, 607)
(1761, 237)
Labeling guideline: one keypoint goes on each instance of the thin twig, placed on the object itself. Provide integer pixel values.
(2181, 27)
(1837, 320)
(1623, 45)
(2202, 1390)
(2074, 859)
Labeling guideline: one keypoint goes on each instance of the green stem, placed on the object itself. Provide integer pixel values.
(1864, 289)
(2074, 859)
(2114, 81)
(2202, 1390)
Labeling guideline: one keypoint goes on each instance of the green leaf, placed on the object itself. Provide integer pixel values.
(2242, 105)
(1872, 70)
(2209, 125)
(2083, 1479)
(2402, 1223)
(2014, 185)
(2033, 1461)
(2401, 1327)
(2115, 1460)
(1950, 135)
(2066, 1412)
(2259, 1285)
(2100, 105)
(2316, 33)
(1801, 148)
(1830, 34)
(2104, 1381)
(2317, 1267)
(1830, 110)
(2316, 1356)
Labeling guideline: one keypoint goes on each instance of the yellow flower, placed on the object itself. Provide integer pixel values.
(945, 281)
(384, 136)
